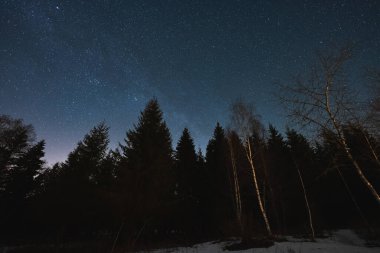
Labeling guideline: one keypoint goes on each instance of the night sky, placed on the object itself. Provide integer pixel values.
(67, 65)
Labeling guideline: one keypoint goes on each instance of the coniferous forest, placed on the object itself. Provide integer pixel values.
(199, 126)
(252, 181)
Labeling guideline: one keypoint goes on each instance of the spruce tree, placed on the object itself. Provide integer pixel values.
(188, 183)
(279, 176)
(220, 194)
(148, 171)
(74, 190)
(22, 182)
(21, 160)
(87, 158)
(186, 160)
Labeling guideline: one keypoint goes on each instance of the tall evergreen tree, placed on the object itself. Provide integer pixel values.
(279, 171)
(21, 160)
(87, 158)
(16, 138)
(73, 192)
(220, 187)
(188, 184)
(22, 178)
(186, 163)
(148, 174)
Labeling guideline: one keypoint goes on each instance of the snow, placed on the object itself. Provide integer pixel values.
(341, 241)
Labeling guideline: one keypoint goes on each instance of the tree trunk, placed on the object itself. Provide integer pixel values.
(358, 169)
(307, 206)
(354, 200)
(342, 141)
(254, 178)
(373, 152)
(236, 187)
(272, 197)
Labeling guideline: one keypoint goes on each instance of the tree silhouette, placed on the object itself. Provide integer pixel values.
(148, 170)
(20, 165)
(189, 184)
(302, 158)
(72, 187)
(87, 158)
(220, 192)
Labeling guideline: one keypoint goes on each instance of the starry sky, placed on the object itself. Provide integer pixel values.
(66, 65)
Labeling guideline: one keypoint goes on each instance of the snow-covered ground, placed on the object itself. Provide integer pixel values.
(342, 241)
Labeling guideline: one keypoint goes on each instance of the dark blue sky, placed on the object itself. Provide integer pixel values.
(67, 65)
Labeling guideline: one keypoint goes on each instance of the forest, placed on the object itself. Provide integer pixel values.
(252, 181)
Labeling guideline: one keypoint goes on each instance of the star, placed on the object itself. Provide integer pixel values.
(102, 61)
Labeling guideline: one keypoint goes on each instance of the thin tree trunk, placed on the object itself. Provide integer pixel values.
(261, 206)
(342, 141)
(307, 205)
(117, 235)
(271, 193)
(353, 199)
(373, 152)
(236, 186)
(358, 169)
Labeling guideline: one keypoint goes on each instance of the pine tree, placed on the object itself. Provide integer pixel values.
(20, 164)
(20, 159)
(148, 175)
(73, 192)
(85, 162)
(279, 171)
(188, 184)
(186, 160)
(22, 182)
(16, 139)
(220, 192)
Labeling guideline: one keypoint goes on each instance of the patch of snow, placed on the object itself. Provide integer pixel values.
(341, 241)
(347, 236)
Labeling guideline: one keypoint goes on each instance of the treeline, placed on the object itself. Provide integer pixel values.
(145, 191)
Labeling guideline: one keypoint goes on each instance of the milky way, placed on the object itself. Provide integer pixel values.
(67, 65)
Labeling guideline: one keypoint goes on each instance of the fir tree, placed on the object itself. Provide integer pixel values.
(186, 160)
(22, 182)
(87, 158)
(220, 192)
(188, 184)
(21, 160)
(73, 192)
(278, 178)
(148, 175)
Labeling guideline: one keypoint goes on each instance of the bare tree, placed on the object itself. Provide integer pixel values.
(247, 124)
(324, 100)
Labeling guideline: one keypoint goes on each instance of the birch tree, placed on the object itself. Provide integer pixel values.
(324, 100)
(246, 123)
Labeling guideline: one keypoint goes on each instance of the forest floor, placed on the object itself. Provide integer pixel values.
(341, 241)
